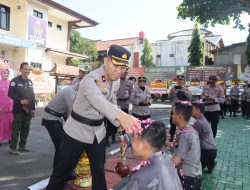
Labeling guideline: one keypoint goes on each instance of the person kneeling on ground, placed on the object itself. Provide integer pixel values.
(156, 170)
(186, 147)
(207, 142)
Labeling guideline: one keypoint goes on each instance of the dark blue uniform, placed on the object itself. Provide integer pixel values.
(20, 89)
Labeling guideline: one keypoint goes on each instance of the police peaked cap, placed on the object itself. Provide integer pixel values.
(132, 78)
(235, 80)
(213, 78)
(180, 77)
(119, 55)
(141, 79)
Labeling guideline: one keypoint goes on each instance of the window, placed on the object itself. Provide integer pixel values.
(38, 14)
(171, 55)
(58, 27)
(4, 17)
(49, 24)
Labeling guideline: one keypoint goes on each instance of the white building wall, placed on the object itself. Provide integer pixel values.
(55, 38)
(165, 53)
(33, 6)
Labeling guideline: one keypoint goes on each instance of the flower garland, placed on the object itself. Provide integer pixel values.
(137, 130)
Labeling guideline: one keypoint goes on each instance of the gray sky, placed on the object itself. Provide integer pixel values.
(157, 18)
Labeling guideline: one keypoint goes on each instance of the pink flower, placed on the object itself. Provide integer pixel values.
(200, 101)
(185, 103)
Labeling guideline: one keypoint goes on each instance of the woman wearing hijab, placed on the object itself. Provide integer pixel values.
(6, 104)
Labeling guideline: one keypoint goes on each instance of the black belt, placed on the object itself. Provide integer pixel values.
(142, 104)
(209, 104)
(123, 99)
(52, 112)
(85, 120)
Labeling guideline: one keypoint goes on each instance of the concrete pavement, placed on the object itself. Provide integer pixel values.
(19, 172)
(231, 172)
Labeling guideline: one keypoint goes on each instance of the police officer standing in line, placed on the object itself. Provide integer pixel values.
(141, 100)
(177, 93)
(243, 102)
(84, 129)
(246, 94)
(133, 79)
(21, 91)
(58, 108)
(223, 106)
(123, 95)
(212, 96)
(234, 96)
(124, 92)
(78, 79)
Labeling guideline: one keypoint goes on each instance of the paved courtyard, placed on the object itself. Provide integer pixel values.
(232, 171)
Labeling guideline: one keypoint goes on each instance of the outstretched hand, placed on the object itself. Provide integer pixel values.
(129, 123)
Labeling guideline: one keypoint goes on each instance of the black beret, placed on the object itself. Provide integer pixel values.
(119, 55)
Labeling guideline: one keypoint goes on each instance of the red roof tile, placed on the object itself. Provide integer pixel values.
(104, 45)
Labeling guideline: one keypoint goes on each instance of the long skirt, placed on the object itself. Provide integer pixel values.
(6, 119)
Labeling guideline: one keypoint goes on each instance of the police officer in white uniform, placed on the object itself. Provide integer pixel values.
(141, 100)
(58, 109)
(124, 93)
(123, 96)
(177, 93)
(84, 129)
(246, 94)
(212, 96)
(234, 96)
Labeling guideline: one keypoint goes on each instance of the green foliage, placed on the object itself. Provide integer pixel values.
(147, 58)
(248, 46)
(82, 46)
(76, 63)
(195, 49)
(210, 12)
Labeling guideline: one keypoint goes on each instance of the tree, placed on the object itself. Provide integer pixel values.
(195, 49)
(214, 11)
(248, 46)
(82, 46)
(147, 58)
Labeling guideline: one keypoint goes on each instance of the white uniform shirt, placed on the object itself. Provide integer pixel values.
(95, 99)
(62, 103)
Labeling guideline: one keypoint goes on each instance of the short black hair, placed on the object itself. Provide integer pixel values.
(23, 64)
(184, 109)
(82, 71)
(201, 106)
(155, 134)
